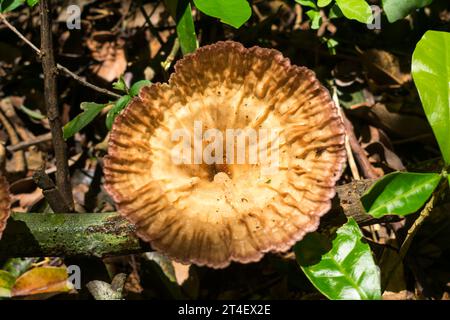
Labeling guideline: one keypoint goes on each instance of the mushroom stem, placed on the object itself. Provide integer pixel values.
(108, 234)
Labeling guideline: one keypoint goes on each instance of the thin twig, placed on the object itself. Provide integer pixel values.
(171, 57)
(26, 144)
(58, 66)
(85, 83)
(51, 103)
(358, 151)
(348, 149)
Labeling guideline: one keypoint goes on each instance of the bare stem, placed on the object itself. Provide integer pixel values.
(51, 103)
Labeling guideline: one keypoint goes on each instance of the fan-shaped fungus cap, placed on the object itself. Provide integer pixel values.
(212, 214)
(5, 201)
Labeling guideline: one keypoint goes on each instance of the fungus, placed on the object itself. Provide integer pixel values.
(231, 208)
(4, 204)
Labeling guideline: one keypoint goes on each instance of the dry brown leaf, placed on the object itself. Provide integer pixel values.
(4, 204)
(384, 68)
(110, 54)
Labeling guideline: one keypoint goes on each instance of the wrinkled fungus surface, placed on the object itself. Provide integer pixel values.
(4, 204)
(212, 214)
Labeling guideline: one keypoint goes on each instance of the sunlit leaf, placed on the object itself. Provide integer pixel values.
(323, 3)
(431, 74)
(6, 283)
(42, 280)
(399, 193)
(182, 13)
(315, 18)
(232, 12)
(398, 9)
(120, 104)
(340, 269)
(120, 84)
(356, 9)
(307, 3)
(91, 110)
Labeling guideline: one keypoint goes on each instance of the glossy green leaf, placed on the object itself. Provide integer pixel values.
(431, 74)
(10, 5)
(340, 269)
(32, 3)
(335, 12)
(398, 9)
(136, 87)
(182, 13)
(232, 12)
(323, 3)
(315, 18)
(120, 85)
(399, 193)
(307, 3)
(356, 9)
(91, 110)
(120, 104)
(7, 281)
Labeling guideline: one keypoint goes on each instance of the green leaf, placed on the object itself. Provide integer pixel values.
(91, 110)
(315, 17)
(307, 3)
(232, 12)
(120, 104)
(32, 113)
(332, 44)
(10, 5)
(32, 3)
(323, 3)
(431, 74)
(398, 9)
(356, 9)
(399, 193)
(7, 281)
(343, 268)
(335, 12)
(42, 280)
(120, 85)
(18, 266)
(136, 87)
(182, 13)
(164, 263)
